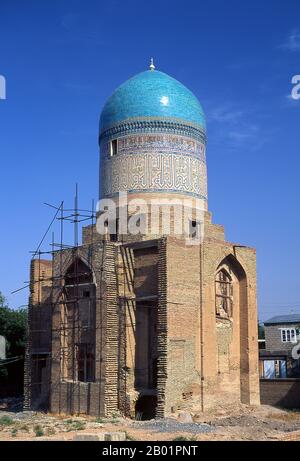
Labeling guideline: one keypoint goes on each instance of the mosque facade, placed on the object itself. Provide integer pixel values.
(145, 324)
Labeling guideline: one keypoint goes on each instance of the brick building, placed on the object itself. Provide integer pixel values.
(145, 323)
(279, 362)
(282, 333)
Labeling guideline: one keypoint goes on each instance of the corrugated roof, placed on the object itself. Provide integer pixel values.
(292, 318)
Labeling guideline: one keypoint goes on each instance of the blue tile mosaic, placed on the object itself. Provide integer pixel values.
(152, 94)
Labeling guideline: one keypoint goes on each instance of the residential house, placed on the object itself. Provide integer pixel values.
(282, 333)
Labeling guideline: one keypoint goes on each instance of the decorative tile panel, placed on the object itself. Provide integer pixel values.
(154, 172)
(157, 143)
(147, 125)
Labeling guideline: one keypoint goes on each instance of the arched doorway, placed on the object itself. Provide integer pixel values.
(78, 323)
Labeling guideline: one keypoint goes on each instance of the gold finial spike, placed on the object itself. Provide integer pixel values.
(152, 66)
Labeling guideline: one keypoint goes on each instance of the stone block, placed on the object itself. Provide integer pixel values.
(185, 417)
(115, 436)
(92, 437)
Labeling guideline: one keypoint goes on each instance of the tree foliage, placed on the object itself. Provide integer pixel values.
(13, 327)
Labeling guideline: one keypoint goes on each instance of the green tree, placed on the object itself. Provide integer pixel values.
(13, 327)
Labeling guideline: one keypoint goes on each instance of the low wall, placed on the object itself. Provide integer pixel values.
(280, 392)
(78, 398)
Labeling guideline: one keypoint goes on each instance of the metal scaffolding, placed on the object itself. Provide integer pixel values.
(57, 324)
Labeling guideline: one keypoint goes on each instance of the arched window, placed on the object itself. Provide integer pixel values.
(223, 294)
(78, 273)
(79, 323)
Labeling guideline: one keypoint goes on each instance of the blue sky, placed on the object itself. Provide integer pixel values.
(62, 59)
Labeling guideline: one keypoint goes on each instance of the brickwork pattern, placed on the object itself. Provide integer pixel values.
(280, 392)
(201, 360)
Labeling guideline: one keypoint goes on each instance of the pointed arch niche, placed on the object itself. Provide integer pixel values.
(78, 318)
(231, 309)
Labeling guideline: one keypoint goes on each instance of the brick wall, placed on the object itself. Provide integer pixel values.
(284, 392)
(201, 360)
(210, 363)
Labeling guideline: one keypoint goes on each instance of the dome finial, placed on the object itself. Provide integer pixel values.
(152, 66)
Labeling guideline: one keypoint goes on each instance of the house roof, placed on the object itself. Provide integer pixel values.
(292, 318)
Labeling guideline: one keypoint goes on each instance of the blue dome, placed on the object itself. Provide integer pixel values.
(152, 94)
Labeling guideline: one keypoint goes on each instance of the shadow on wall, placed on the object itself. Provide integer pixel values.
(283, 393)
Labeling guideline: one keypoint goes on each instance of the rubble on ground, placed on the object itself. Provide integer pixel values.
(236, 423)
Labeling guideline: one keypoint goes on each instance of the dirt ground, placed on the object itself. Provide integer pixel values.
(239, 423)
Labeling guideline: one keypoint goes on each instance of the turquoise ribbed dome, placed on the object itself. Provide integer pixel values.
(152, 94)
